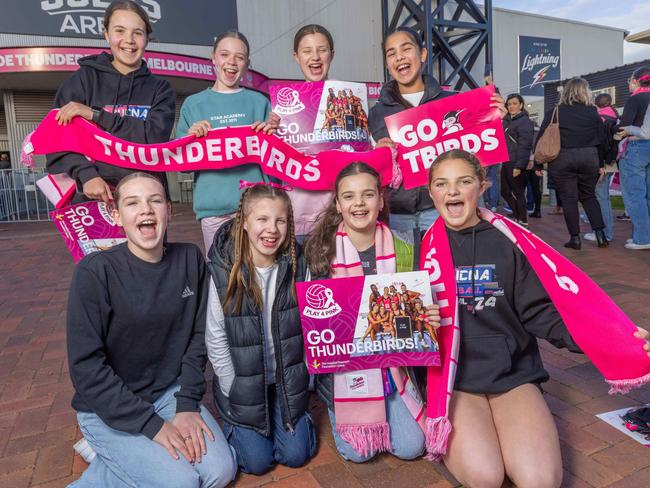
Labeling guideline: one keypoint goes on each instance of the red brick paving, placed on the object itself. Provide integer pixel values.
(37, 425)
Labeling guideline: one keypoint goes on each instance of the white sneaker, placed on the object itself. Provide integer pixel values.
(589, 236)
(629, 241)
(82, 448)
(636, 247)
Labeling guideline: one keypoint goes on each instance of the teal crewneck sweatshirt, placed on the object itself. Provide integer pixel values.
(217, 192)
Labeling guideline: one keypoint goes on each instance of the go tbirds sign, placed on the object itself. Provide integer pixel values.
(172, 20)
(539, 62)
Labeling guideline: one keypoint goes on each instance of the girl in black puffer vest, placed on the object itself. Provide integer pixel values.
(253, 334)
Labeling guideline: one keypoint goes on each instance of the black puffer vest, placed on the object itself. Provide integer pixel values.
(248, 404)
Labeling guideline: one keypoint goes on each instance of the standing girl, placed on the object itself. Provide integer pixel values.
(224, 104)
(405, 57)
(313, 50)
(118, 93)
(501, 424)
(254, 336)
(349, 241)
(136, 324)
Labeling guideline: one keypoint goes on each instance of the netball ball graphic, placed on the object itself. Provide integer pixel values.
(320, 302)
(317, 296)
(287, 97)
(288, 101)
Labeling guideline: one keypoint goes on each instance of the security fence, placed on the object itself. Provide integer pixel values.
(20, 198)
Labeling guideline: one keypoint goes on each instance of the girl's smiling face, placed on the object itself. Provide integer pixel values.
(404, 60)
(314, 56)
(359, 201)
(143, 212)
(455, 190)
(266, 225)
(127, 38)
(230, 59)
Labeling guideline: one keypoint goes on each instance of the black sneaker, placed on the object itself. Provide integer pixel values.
(623, 218)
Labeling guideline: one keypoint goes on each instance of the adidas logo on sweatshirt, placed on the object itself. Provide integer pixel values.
(187, 292)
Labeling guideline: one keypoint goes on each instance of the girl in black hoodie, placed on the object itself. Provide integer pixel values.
(118, 93)
(405, 57)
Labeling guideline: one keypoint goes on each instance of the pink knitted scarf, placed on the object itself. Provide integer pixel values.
(361, 417)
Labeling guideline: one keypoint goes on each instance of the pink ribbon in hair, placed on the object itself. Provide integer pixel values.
(247, 184)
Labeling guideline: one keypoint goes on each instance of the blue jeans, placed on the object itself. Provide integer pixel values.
(419, 220)
(406, 436)
(491, 195)
(127, 460)
(257, 454)
(602, 194)
(635, 186)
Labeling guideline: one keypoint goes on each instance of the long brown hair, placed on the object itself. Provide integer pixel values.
(320, 247)
(310, 29)
(242, 273)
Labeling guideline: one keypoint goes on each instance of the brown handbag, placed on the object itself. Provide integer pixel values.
(548, 146)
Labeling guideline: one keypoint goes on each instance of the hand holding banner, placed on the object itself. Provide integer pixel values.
(465, 121)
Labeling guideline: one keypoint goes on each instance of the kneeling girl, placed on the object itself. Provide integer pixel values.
(347, 241)
(254, 336)
(135, 333)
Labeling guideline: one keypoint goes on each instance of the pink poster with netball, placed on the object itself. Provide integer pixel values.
(322, 115)
(87, 227)
(363, 322)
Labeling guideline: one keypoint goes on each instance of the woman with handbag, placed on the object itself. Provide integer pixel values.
(580, 159)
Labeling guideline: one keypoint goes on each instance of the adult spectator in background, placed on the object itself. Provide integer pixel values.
(609, 115)
(519, 130)
(635, 164)
(579, 164)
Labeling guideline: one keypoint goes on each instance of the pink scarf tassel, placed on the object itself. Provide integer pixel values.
(436, 437)
(366, 438)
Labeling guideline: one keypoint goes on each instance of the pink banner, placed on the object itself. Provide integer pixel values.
(366, 322)
(221, 148)
(26, 59)
(322, 115)
(465, 121)
(87, 227)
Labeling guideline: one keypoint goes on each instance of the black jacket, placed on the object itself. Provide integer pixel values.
(247, 403)
(134, 329)
(580, 126)
(138, 107)
(519, 132)
(390, 102)
(501, 313)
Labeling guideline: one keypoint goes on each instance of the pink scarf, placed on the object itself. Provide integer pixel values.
(595, 322)
(361, 417)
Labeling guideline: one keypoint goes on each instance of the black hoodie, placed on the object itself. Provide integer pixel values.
(502, 308)
(138, 107)
(391, 102)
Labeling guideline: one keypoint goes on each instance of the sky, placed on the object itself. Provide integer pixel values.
(631, 15)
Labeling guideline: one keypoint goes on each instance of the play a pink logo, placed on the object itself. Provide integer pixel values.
(288, 102)
(320, 302)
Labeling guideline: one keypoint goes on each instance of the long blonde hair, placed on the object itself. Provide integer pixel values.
(576, 91)
(241, 282)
